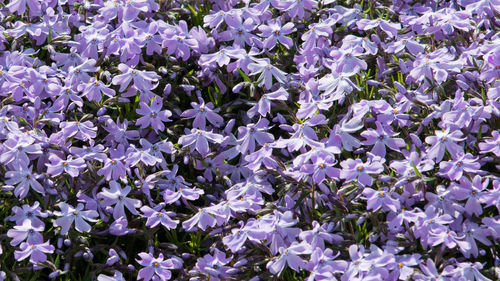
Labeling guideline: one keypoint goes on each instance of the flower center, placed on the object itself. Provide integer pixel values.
(65, 163)
(360, 168)
(459, 163)
(381, 193)
(75, 213)
(443, 139)
(322, 165)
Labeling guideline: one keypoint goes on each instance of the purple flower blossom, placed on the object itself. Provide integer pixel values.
(201, 113)
(267, 72)
(274, 32)
(462, 163)
(68, 215)
(155, 268)
(117, 196)
(380, 138)
(153, 115)
(198, 139)
(156, 217)
(356, 169)
(23, 178)
(70, 166)
(36, 252)
(441, 141)
(289, 256)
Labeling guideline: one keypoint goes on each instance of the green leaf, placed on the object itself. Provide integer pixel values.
(245, 77)
(416, 170)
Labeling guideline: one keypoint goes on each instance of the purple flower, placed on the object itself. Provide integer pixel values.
(473, 191)
(19, 6)
(240, 32)
(202, 219)
(263, 106)
(119, 227)
(81, 130)
(201, 113)
(143, 155)
(274, 32)
(377, 199)
(444, 139)
(267, 72)
(215, 265)
(198, 139)
(491, 145)
(16, 150)
(68, 215)
(142, 80)
(70, 165)
(114, 167)
(252, 133)
(296, 8)
(180, 41)
(156, 217)
(117, 276)
(23, 178)
(95, 89)
(317, 236)
(289, 256)
(239, 236)
(152, 115)
(28, 212)
(117, 196)
(347, 62)
(382, 137)
(355, 168)
(155, 268)
(322, 166)
(36, 252)
(27, 232)
(461, 163)
(388, 27)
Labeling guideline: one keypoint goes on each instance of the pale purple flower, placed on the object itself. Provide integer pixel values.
(142, 80)
(27, 232)
(28, 212)
(355, 169)
(461, 163)
(153, 115)
(289, 256)
(36, 252)
(491, 145)
(274, 32)
(156, 217)
(117, 196)
(444, 140)
(198, 139)
(377, 199)
(201, 113)
(380, 138)
(267, 72)
(23, 178)
(69, 214)
(252, 133)
(317, 236)
(155, 268)
(71, 166)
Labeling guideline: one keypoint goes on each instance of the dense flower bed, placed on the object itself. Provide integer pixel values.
(245, 140)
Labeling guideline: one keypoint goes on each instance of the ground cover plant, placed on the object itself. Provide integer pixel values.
(249, 140)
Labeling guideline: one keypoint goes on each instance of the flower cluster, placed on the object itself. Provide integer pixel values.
(250, 140)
